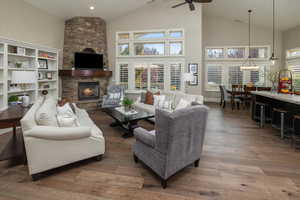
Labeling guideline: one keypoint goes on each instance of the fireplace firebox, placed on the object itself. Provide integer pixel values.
(88, 91)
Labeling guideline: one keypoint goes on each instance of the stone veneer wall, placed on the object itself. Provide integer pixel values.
(81, 33)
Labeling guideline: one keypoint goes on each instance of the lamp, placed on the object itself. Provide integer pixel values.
(273, 57)
(249, 65)
(23, 78)
(187, 77)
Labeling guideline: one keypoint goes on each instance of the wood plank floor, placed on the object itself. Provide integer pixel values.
(240, 162)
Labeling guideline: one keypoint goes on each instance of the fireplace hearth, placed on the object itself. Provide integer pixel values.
(88, 91)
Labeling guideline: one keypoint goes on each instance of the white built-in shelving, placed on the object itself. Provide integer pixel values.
(22, 56)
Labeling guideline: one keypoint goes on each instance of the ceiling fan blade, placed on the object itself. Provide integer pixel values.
(179, 5)
(192, 6)
(202, 1)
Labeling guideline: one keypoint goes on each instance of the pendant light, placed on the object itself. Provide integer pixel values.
(249, 64)
(273, 57)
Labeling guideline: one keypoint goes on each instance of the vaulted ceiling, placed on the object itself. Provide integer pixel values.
(288, 14)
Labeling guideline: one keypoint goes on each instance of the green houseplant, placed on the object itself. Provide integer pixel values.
(127, 103)
(13, 100)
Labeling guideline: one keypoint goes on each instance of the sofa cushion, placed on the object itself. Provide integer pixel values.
(182, 104)
(150, 97)
(46, 114)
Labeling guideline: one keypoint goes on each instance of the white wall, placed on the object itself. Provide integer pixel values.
(160, 15)
(222, 32)
(23, 22)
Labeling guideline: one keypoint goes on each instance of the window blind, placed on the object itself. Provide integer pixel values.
(124, 75)
(214, 75)
(175, 76)
(157, 76)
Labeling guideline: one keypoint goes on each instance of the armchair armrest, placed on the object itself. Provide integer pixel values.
(58, 133)
(145, 136)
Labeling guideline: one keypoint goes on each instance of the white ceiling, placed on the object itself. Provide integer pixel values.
(106, 9)
(288, 10)
(288, 15)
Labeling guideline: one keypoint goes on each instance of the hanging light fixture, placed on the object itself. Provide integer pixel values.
(249, 64)
(273, 57)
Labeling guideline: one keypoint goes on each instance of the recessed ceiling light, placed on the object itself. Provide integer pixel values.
(92, 8)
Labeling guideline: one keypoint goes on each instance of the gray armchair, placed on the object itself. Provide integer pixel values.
(176, 142)
(114, 96)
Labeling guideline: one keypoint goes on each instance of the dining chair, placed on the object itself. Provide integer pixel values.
(227, 97)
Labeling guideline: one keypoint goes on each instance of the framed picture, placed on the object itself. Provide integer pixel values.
(49, 75)
(195, 81)
(43, 64)
(193, 68)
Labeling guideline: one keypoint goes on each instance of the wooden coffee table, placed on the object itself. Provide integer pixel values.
(127, 122)
(12, 144)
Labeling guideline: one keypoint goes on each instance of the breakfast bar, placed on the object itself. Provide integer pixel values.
(288, 102)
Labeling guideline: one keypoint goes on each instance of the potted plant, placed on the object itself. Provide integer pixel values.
(13, 100)
(127, 103)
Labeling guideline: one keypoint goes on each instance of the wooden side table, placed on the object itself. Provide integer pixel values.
(11, 143)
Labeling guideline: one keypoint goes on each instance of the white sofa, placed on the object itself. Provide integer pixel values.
(170, 96)
(49, 147)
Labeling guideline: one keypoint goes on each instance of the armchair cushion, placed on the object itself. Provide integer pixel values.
(144, 136)
(58, 133)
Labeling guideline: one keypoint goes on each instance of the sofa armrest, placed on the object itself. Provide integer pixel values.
(145, 136)
(58, 133)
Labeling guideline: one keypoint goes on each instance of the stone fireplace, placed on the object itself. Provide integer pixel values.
(88, 91)
(84, 87)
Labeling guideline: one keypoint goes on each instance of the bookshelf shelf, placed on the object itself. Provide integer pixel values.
(12, 53)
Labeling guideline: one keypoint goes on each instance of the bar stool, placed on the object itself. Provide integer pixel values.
(295, 139)
(262, 113)
(280, 121)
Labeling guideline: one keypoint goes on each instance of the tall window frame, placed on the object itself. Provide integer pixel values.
(222, 65)
(170, 38)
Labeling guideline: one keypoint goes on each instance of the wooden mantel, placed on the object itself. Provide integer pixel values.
(85, 73)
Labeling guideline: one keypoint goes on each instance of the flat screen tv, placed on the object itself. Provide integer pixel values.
(88, 61)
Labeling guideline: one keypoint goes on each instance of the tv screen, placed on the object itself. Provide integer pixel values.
(88, 61)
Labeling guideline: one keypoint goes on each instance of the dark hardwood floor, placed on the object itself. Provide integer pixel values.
(239, 162)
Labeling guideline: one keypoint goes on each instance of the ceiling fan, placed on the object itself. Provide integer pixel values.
(191, 3)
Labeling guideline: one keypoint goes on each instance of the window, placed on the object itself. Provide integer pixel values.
(143, 49)
(124, 49)
(149, 35)
(258, 52)
(214, 75)
(293, 53)
(150, 60)
(235, 75)
(176, 34)
(175, 76)
(141, 77)
(215, 53)
(124, 75)
(123, 36)
(176, 48)
(296, 76)
(157, 76)
(236, 53)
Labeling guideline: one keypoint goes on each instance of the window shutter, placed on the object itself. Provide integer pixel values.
(214, 75)
(296, 73)
(235, 75)
(176, 71)
(157, 76)
(124, 75)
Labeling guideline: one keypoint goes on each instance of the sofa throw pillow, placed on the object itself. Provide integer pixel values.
(67, 121)
(159, 101)
(182, 104)
(150, 98)
(63, 101)
(46, 114)
(66, 110)
(143, 97)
